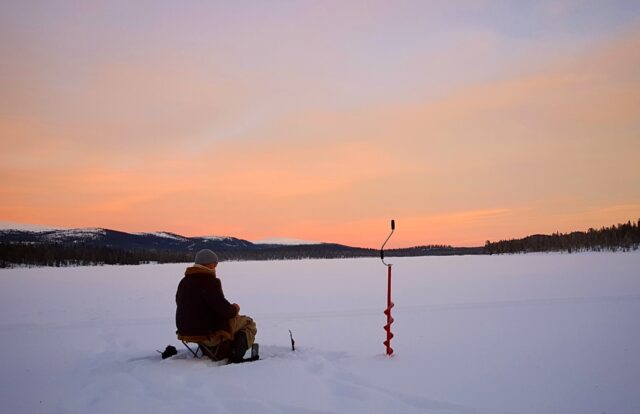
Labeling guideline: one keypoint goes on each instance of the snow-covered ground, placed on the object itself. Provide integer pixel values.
(540, 333)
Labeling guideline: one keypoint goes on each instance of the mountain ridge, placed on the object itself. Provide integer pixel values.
(106, 246)
(97, 236)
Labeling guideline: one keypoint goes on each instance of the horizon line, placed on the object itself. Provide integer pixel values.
(31, 227)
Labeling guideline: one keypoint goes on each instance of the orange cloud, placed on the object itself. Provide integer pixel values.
(164, 148)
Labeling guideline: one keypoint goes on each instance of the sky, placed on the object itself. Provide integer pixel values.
(464, 121)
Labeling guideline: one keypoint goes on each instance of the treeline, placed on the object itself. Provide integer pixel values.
(12, 254)
(73, 255)
(56, 254)
(433, 250)
(622, 236)
(618, 237)
(310, 251)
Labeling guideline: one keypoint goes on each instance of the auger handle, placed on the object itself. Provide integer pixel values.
(393, 228)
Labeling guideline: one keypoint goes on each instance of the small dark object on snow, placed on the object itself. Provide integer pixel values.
(169, 351)
(293, 343)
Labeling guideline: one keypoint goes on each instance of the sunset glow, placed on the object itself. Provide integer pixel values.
(322, 120)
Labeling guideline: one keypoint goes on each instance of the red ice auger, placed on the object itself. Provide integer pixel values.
(390, 305)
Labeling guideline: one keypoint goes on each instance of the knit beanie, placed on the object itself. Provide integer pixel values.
(205, 257)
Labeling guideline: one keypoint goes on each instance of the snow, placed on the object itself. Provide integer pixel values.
(164, 234)
(7, 225)
(553, 333)
(75, 234)
(215, 238)
(59, 235)
(286, 241)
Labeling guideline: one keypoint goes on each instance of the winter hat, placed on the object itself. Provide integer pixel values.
(205, 257)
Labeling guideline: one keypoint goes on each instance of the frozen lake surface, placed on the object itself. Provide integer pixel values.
(538, 333)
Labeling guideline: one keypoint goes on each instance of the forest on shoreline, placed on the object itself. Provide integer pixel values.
(625, 237)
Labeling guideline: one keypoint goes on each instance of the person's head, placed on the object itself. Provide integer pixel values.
(207, 258)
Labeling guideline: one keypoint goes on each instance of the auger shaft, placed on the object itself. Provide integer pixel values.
(387, 311)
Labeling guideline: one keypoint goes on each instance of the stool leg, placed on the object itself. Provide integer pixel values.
(207, 350)
(195, 354)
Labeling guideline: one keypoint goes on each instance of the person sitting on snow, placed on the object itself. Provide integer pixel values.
(205, 316)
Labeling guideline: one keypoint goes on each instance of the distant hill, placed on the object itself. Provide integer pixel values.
(54, 247)
(118, 239)
(57, 247)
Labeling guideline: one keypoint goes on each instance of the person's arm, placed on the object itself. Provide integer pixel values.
(214, 297)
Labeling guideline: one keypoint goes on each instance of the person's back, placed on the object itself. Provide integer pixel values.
(203, 311)
(201, 306)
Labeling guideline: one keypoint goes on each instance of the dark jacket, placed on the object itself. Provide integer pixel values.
(201, 306)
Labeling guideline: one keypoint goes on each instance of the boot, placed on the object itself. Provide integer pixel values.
(238, 347)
